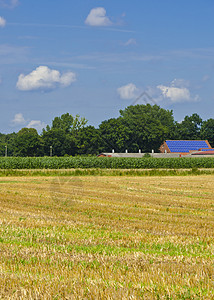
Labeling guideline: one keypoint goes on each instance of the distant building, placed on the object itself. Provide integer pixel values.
(185, 147)
(104, 154)
(204, 152)
(138, 155)
(171, 148)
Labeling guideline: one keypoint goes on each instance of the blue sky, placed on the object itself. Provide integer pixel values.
(95, 57)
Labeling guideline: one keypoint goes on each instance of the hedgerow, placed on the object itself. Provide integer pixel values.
(104, 162)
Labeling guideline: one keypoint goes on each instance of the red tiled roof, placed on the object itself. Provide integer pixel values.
(210, 152)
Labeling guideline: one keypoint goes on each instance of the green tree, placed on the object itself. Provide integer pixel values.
(189, 128)
(68, 123)
(207, 131)
(114, 134)
(62, 135)
(61, 142)
(88, 140)
(7, 140)
(149, 126)
(28, 143)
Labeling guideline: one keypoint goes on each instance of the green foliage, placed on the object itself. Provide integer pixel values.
(62, 135)
(7, 140)
(88, 140)
(62, 143)
(148, 125)
(104, 163)
(68, 123)
(142, 127)
(189, 128)
(27, 143)
(115, 134)
(207, 131)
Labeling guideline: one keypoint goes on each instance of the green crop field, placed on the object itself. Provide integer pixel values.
(107, 237)
(104, 163)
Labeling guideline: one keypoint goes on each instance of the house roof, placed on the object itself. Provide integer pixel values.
(207, 149)
(185, 146)
(207, 152)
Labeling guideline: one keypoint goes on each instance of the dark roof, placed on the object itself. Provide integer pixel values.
(184, 146)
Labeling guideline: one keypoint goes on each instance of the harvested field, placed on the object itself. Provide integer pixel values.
(107, 237)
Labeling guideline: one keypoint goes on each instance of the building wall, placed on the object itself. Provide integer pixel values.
(164, 148)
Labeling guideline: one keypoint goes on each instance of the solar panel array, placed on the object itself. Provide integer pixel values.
(185, 146)
(208, 149)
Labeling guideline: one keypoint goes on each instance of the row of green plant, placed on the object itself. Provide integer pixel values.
(104, 163)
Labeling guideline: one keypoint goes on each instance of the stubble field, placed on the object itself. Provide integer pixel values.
(107, 237)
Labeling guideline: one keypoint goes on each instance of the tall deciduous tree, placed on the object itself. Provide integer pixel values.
(114, 134)
(88, 140)
(68, 123)
(7, 140)
(61, 142)
(207, 131)
(189, 128)
(149, 126)
(62, 135)
(28, 143)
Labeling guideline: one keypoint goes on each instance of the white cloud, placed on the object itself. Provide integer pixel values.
(44, 78)
(19, 119)
(2, 22)
(175, 94)
(177, 91)
(38, 125)
(97, 17)
(128, 91)
(180, 83)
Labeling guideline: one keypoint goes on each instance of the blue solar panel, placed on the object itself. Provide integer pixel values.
(185, 146)
(208, 149)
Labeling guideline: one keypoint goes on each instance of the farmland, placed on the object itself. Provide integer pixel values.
(107, 237)
(104, 163)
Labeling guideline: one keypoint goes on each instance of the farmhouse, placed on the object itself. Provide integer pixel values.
(172, 148)
(137, 155)
(187, 147)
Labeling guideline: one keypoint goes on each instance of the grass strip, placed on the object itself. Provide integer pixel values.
(105, 172)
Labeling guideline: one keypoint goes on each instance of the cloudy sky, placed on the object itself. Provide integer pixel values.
(95, 57)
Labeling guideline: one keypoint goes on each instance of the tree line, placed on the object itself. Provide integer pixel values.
(142, 127)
